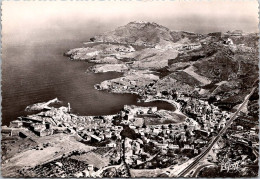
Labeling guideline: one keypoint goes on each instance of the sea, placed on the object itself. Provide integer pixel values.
(35, 70)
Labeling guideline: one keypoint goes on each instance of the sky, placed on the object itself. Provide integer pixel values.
(23, 18)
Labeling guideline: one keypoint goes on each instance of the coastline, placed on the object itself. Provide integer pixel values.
(136, 137)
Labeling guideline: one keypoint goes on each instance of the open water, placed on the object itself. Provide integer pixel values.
(36, 71)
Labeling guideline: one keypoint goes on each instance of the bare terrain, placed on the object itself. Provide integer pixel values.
(206, 77)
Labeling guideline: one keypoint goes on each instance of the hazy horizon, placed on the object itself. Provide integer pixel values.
(23, 20)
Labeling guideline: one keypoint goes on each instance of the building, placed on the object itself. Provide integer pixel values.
(228, 41)
(156, 131)
(90, 167)
(129, 116)
(162, 146)
(6, 130)
(16, 124)
(108, 135)
(95, 138)
(171, 146)
(132, 109)
(111, 145)
(45, 132)
(188, 147)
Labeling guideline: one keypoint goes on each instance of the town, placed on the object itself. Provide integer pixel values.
(143, 137)
(192, 110)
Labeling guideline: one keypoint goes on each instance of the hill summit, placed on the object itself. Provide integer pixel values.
(221, 66)
(143, 33)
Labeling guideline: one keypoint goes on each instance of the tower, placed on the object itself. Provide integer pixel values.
(69, 107)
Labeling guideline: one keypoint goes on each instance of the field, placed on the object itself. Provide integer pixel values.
(60, 144)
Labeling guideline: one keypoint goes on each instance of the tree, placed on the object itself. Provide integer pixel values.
(92, 39)
(114, 137)
(144, 126)
(250, 143)
(165, 93)
(130, 133)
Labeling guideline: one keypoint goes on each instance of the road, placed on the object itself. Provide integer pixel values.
(213, 142)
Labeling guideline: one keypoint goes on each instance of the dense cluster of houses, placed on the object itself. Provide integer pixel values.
(163, 137)
(245, 135)
(209, 117)
(192, 135)
(99, 134)
(131, 115)
(166, 138)
(60, 120)
(39, 127)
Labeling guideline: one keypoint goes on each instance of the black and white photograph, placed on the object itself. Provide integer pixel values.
(130, 89)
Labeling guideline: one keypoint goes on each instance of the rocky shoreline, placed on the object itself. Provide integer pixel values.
(142, 140)
(41, 106)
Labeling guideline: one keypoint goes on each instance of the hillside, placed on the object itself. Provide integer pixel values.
(221, 66)
(144, 33)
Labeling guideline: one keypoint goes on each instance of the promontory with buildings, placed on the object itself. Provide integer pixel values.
(211, 80)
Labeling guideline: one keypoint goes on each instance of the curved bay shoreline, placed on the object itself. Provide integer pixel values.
(118, 52)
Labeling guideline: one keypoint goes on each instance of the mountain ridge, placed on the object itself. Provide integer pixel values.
(143, 33)
(222, 64)
(151, 34)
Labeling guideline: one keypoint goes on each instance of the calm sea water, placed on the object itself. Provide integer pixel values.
(37, 71)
